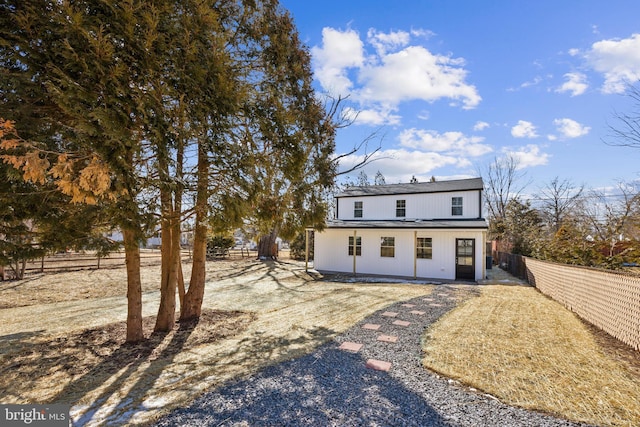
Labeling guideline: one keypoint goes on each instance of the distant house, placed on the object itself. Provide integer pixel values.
(419, 230)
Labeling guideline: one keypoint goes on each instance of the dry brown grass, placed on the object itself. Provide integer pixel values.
(527, 350)
(291, 313)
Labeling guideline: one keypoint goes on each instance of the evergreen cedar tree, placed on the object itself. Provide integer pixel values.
(110, 99)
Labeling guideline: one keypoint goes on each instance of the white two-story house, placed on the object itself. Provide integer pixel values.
(429, 230)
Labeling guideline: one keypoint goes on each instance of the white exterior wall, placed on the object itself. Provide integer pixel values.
(331, 252)
(421, 206)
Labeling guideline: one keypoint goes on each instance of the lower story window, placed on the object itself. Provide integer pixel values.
(358, 246)
(388, 247)
(424, 249)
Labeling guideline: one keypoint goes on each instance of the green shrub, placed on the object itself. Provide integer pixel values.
(297, 247)
(224, 242)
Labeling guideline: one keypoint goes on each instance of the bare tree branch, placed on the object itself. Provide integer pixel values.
(363, 148)
(558, 198)
(502, 183)
(626, 133)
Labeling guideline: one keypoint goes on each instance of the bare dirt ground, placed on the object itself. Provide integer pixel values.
(61, 335)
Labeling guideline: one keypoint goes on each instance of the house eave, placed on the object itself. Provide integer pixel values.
(480, 224)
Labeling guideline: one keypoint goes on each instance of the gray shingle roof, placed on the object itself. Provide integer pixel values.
(414, 188)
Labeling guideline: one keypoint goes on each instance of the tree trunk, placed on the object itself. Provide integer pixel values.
(181, 290)
(168, 281)
(177, 216)
(267, 247)
(23, 268)
(192, 306)
(134, 287)
(171, 210)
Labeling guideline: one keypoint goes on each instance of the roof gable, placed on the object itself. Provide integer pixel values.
(414, 188)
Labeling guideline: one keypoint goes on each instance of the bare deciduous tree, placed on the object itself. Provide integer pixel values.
(503, 182)
(611, 217)
(558, 199)
(626, 132)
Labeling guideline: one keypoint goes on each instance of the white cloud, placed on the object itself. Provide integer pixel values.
(480, 125)
(383, 42)
(451, 142)
(340, 50)
(618, 60)
(374, 117)
(576, 84)
(393, 71)
(420, 32)
(420, 153)
(524, 129)
(528, 156)
(570, 128)
(424, 115)
(536, 81)
(399, 165)
(414, 73)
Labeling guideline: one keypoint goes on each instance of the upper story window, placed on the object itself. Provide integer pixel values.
(357, 209)
(401, 208)
(456, 206)
(388, 247)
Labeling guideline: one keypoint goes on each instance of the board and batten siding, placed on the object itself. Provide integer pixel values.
(331, 252)
(420, 206)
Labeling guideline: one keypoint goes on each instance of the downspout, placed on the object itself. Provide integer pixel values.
(354, 252)
(306, 249)
(415, 254)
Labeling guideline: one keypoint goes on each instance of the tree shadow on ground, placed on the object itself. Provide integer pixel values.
(327, 387)
(94, 363)
(154, 353)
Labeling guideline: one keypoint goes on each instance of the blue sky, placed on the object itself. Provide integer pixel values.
(451, 85)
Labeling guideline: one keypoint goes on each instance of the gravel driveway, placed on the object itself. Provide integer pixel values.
(333, 387)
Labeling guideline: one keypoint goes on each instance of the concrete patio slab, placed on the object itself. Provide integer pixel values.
(387, 338)
(351, 346)
(378, 365)
(401, 323)
(371, 326)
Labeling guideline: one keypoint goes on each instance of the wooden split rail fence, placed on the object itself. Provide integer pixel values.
(74, 261)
